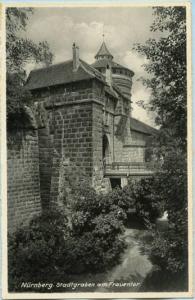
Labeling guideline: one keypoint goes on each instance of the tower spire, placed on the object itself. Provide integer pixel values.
(103, 52)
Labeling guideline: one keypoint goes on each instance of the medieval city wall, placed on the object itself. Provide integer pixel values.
(45, 145)
(72, 143)
(23, 196)
(128, 146)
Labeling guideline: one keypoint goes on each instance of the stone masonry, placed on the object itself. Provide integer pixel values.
(23, 183)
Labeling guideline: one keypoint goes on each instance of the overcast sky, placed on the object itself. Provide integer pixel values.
(122, 26)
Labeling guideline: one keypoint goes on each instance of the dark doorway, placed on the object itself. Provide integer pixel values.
(115, 182)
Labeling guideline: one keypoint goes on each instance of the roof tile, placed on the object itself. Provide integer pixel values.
(139, 126)
(60, 74)
(103, 51)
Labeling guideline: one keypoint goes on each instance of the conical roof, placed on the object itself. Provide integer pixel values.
(103, 52)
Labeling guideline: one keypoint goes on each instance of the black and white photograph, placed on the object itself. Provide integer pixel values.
(98, 153)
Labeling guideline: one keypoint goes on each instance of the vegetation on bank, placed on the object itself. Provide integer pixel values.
(89, 239)
(55, 246)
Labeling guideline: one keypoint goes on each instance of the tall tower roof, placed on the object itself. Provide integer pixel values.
(103, 52)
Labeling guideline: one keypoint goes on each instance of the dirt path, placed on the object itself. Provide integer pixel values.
(134, 267)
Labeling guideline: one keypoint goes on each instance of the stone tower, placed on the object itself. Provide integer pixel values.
(121, 76)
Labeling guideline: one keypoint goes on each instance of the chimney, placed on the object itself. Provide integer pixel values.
(109, 75)
(75, 52)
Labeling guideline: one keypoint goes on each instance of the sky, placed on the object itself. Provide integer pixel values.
(123, 27)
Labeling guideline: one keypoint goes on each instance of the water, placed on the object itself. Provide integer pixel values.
(134, 267)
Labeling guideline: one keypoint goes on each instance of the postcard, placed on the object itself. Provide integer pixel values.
(96, 150)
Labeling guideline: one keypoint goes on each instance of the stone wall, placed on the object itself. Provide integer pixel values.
(98, 181)
(97, 134)
(131, 149)
(23, 187)
(72, 141)
(45, 165)
(138, 136)
(133, 153)
(77, 135)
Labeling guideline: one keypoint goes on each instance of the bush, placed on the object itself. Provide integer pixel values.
(87, 205)
(102, 218)
(36, 251)
(123, 198)
(53, 246)
(171, 250)
(147, 202)
(168, 252)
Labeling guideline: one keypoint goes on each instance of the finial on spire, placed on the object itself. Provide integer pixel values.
(103, 34)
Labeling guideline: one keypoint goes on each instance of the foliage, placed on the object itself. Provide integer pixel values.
(102, 216)
(20, 51)
(86, 199)
(167, 82)
(122, 197)
(36, 251)
(147, 202)
(166, 191)
(55, 246)
(169, 251)
(173, 182)
(167, 70)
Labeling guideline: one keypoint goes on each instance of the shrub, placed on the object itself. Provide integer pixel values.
(87, 205)
(147, 202)
(102, 218)
(53, 247)
(123, 198)
(169, 250)
(173, 178)
(36, 250)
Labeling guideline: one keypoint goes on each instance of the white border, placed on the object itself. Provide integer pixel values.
(6, 294)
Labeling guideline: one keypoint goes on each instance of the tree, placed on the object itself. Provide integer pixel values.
(168, 84)
(167, 70)
(20, 51)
